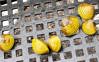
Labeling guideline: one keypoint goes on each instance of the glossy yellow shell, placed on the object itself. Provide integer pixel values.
(39, 47)
(70, 25)
(86, 11)
(8, 42)
(54, 43)
(89, 28)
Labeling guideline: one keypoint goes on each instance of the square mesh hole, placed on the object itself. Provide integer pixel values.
(27, 18)
(71, 10)
(4, 13)
(79, 52)
(56, 57)
(20, 61)
(68, 55)
(50, 14)
(60, 12)
(51, 25)
(6, 32)
(43, 58)
(15, 11)
(38, 16)
(66, 43)
(93, 60)
(17, 41)
(15, 21)
(5, 23)
(3, 2)
(39, 26)
(29, 28)
(19, 53)
(97, 25)
(14, 1)
(91, 50)
(80, 0)
(29, 39)
(26, 8)
(32, 60)
(25, 1)
(30, 51)
(96, 6)
(37, 6)
(48, 4)
(81, 61)
(7, 55)
(89, 39)
(77, 41)
(52, 33)
(70, 1)
(41, 36)
(60, 22)
(59, 3)
(16, 31)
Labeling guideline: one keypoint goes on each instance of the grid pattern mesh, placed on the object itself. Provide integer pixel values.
(40, 19)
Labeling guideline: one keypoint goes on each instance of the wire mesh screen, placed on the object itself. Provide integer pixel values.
(28, 19)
